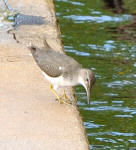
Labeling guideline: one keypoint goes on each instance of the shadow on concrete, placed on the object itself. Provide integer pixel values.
(22, 19)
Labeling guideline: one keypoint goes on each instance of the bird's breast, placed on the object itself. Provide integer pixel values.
(59, 81)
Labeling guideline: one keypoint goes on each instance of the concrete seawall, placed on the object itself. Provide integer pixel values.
(30, 118)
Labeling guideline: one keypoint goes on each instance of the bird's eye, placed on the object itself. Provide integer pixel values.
(87, 79)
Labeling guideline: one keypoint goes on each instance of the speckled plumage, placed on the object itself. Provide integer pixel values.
(54, 63)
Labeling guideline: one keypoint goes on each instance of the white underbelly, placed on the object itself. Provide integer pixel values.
(59, 81)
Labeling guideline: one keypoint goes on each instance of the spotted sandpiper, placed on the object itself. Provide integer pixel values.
(62, 70)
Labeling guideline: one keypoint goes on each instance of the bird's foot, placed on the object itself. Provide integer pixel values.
(60, 100)
(64, 96)
(66, 99)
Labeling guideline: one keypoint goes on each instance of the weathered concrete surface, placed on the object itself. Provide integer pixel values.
(30, 118)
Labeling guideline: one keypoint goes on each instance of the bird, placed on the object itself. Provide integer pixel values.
(62, 70)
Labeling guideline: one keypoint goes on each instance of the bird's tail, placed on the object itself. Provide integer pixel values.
(32, 48)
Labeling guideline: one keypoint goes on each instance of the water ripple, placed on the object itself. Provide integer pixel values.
(119, 84)
(94, 12)
(112, 134)
(78, 3)
(106, 47)
(106, 140)
(90, 125)
(98, 102)
(118, 102)
(132, 141)
(112, 108)
(124, 116)
(79, 53)
(99, 19)
(72, 2)
(110, 94)
(99, 147)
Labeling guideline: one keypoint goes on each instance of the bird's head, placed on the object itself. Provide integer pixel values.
(87, 80)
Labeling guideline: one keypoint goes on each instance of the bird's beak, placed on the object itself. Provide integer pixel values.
(88, 88)
(88, 91)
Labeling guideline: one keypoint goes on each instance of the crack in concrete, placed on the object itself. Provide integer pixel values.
(11, 31)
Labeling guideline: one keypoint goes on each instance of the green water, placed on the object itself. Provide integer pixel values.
(89, 35)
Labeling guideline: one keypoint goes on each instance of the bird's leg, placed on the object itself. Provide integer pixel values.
(52, 90)
(58, 98)
(64, 96)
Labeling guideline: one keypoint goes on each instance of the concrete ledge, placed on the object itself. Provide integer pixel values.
(30, 118)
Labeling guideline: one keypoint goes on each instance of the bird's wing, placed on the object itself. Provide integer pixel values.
(50, 68)
(54, 63)
(55, 66)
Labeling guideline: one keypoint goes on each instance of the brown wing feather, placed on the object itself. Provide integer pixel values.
(51, 70)
(54, 63)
